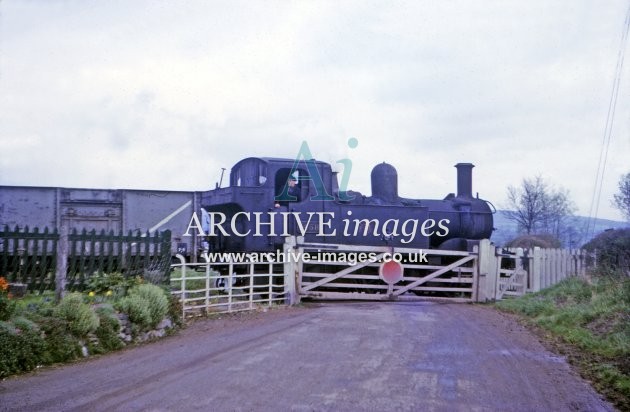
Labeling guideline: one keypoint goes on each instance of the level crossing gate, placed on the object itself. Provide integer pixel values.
(384, 273)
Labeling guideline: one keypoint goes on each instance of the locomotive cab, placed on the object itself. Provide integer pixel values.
(257, 185)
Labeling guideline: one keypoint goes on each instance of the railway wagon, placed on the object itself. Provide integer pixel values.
(103, 209)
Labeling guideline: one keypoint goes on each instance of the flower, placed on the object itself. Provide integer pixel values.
(91, 294)
(108, 293)
(4, 285)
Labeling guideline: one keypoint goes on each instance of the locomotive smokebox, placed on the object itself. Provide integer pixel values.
(464, 179)
(385, 182)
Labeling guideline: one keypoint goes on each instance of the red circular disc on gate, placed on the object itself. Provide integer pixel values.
(391, 272)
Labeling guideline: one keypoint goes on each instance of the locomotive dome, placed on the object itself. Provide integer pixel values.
(385, 182)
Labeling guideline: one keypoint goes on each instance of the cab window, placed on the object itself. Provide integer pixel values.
(290, 186)
(249, 173)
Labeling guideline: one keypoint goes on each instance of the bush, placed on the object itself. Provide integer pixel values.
(107, 331)
(612, 248)
(114, 282)
(80, 317)
(544, 241)
(175, 310)
(156, 300)
(137, 309)
(20, 350)
(22, 323)
(61, 345)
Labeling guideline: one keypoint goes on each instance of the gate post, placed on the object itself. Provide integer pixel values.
(535, 269)
(290, 272)
(62, 263)
(486, 272)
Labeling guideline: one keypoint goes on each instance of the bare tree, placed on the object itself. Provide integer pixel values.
(526, 204)
(622, 199)
(538, 208)
(558, 207)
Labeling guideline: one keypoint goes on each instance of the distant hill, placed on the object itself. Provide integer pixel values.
(506, 229)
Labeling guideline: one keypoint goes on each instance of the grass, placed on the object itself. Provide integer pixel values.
(191, 284)
(589, 322)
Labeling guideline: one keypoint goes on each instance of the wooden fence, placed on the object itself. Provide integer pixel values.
(33, 257)
(514, 272)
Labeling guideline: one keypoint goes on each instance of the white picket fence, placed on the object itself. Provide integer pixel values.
(516, 271)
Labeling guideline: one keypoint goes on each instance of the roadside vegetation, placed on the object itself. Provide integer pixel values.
(110, 314)
(588, 320)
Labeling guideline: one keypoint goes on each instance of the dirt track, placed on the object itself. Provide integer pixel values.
(342, 356)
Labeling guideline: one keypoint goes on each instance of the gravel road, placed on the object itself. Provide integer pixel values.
(422, 356)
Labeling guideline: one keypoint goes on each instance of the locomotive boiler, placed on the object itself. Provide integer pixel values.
(270, 198)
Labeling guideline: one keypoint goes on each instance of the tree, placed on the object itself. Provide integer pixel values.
(538, 208)
(622, 199)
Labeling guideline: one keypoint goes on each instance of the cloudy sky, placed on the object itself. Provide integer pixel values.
(161, 95)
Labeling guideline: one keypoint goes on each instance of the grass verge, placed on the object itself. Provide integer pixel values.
(589, 323)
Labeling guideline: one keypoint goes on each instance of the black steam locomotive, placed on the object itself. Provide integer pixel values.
(269, 198)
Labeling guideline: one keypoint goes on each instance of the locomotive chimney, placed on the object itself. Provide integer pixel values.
(464, 179)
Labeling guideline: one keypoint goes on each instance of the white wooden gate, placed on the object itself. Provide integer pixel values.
(361, 272)
(218, 287)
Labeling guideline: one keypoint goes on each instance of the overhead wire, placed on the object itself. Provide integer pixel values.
(610, 118)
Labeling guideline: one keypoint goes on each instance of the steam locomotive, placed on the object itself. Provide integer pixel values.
(269, 198)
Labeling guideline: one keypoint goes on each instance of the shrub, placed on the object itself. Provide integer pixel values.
(23, 323)
(175, 310)
(544, 241)
(80, 317)
(114, 282)
(156, 300)
(20, 350)
(107, 331)
(7, 307)
(612, 248)
(61, 345)
(137, 308)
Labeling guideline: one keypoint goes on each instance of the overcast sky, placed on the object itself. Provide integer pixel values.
(161, 95)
